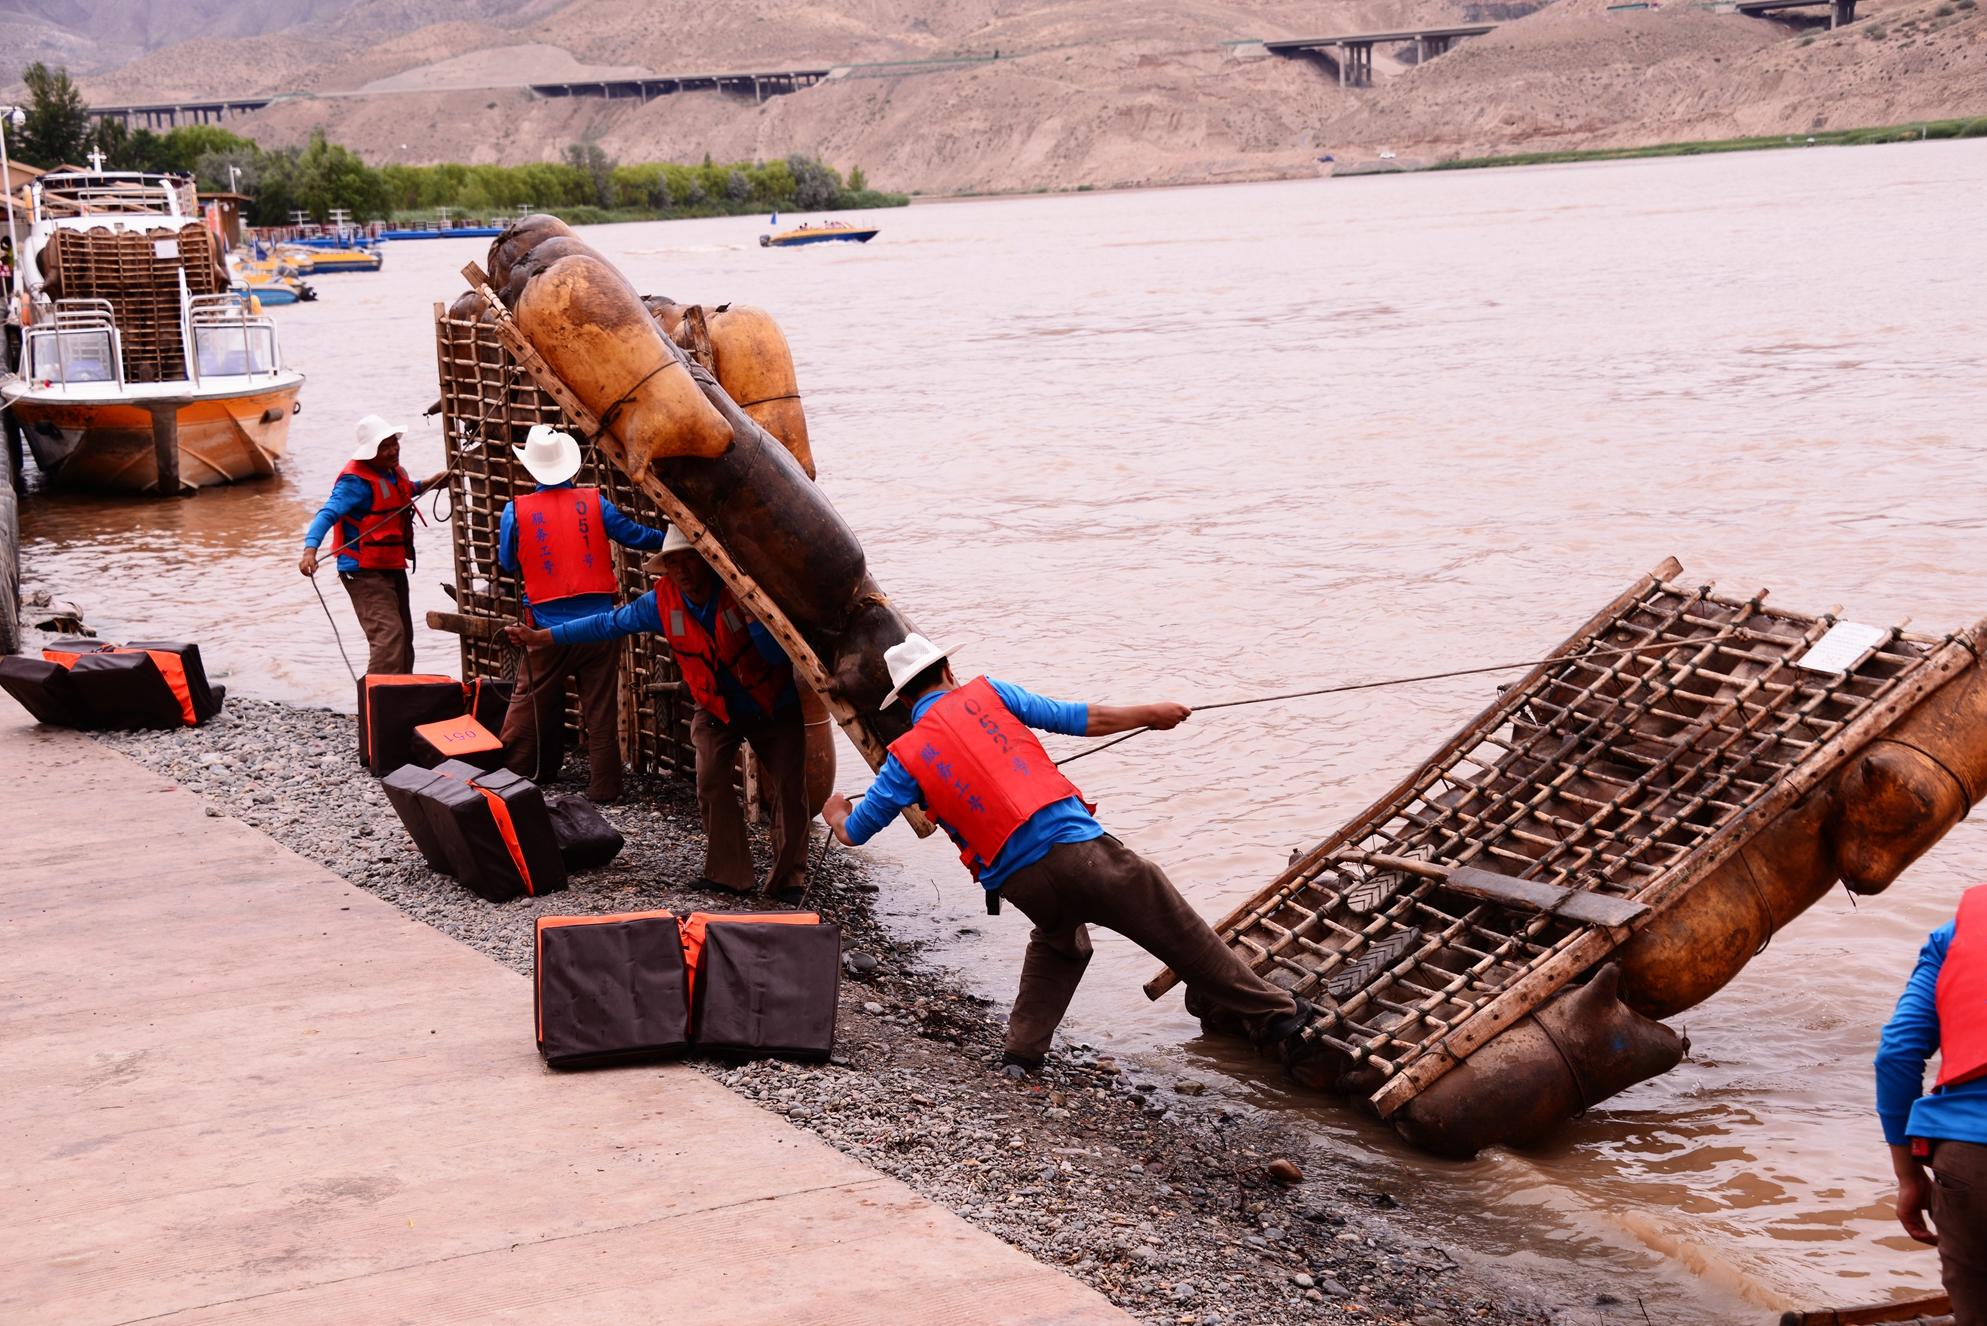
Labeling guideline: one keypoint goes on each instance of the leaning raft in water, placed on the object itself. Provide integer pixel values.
(1608, 844)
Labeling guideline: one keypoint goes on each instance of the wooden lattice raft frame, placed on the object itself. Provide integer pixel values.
(488, 404)
(139, 272)
(1616, 784)
(503, 387)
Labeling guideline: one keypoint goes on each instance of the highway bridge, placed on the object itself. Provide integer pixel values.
(756, 84)
(172, 114)
(1840, 12)
(1352, 52)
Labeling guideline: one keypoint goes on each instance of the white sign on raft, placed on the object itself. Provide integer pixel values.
(165, 248)
(1841, 647)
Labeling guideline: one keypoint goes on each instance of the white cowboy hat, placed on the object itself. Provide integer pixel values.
(550, 455)
(674, 541)
(906, 659)
(372, 431)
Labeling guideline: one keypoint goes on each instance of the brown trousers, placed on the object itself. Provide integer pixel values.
(534, 734)
(1106, 883)
(1959, 1216)
(780, 742)
(379, 601)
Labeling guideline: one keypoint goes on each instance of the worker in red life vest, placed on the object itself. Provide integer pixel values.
(1029, 838)
(743, 686)
(557, 540)
(1943, 1008)
(372, 504)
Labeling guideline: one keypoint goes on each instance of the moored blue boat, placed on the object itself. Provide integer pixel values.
(451, 232)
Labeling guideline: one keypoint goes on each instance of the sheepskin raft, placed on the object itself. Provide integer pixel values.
(1608, 844)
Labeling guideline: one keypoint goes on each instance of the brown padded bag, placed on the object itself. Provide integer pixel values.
(769, 989)
(403, 788)
(478, 853)
(392, 705)
(609, 989)
(45, 690)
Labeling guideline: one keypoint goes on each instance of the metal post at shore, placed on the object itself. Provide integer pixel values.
(15, 117)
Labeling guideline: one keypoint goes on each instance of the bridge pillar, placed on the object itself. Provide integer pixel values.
(1841, 13)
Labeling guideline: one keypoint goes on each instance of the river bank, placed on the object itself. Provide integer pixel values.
(1129, 1182)
(1921, 131)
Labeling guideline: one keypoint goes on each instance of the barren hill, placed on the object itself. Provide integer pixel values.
(1576, 74)
(1098, 92)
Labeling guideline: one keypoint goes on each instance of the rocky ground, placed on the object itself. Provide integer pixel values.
(1181, 1211)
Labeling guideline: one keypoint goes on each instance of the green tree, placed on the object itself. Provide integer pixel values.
(211, 170)
(814, 184)
(590, 160)
(325, 176)
(111, 138)
(58, 120)
(179, 150)
(858, 182)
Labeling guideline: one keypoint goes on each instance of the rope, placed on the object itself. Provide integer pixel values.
(413, 503)
(767, 400)
(606, 417)
(1410, 681)
(335, 633)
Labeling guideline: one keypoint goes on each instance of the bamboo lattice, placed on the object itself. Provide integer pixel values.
(1629, 776)
(488, 406)
(138, 273)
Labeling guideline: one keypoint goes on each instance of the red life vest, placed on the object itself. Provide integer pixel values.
(982, 771)
(562, 544)
(1962, 994)
(701, 658)
(383, 538)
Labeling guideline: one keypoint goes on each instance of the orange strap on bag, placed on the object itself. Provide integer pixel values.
(173, 667)
(66, 658)
(694, 927)
(501, 813)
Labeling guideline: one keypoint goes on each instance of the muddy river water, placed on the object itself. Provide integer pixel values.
(1209, 443)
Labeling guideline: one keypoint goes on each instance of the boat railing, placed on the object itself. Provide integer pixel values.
(225, 338)
(88, 194)
(73, 342)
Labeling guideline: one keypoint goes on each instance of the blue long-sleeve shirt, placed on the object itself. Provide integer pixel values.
(1957, 1113)
(1064, 821)
(644, 615)
(350, 497)
(624, 531)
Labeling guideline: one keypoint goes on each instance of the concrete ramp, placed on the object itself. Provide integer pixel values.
(236, 1088)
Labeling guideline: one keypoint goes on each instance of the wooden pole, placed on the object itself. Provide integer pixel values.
(806, 663)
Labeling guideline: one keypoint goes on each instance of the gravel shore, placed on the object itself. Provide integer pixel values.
(1181, 1211)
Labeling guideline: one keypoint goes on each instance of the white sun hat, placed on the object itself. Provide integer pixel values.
(550, 455)
(907, 659)
(372, 431)
(674, 541)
